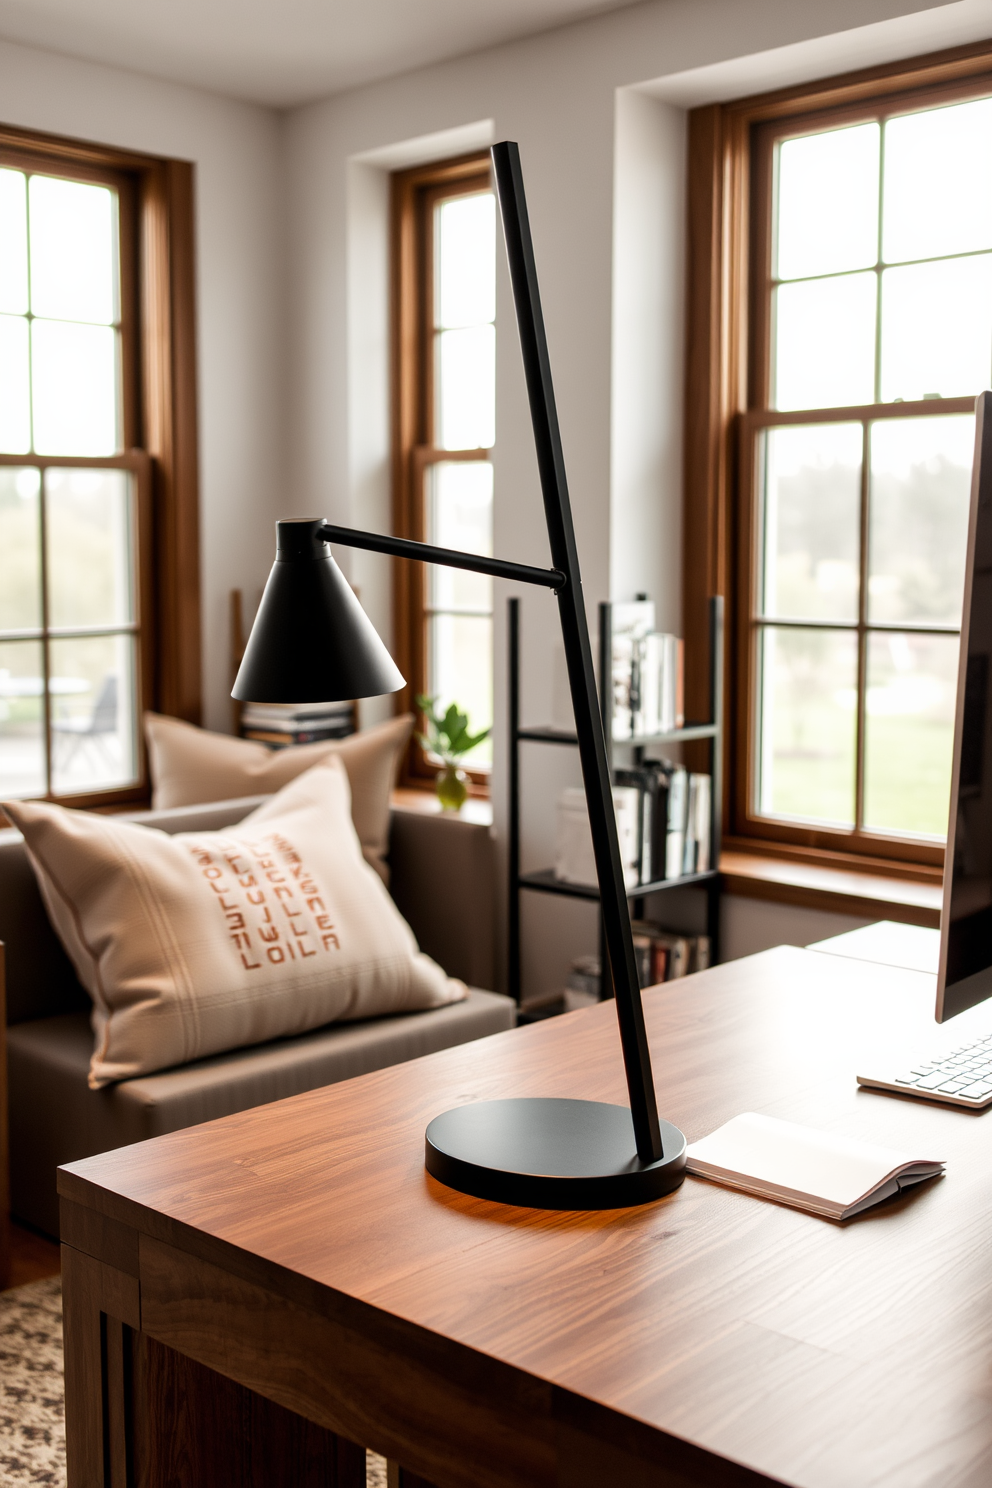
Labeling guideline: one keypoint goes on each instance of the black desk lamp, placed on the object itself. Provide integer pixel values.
(313, 642)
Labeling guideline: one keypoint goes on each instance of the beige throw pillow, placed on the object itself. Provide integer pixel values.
(190, 765)
(205, 941)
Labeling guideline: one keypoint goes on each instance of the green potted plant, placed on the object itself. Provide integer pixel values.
(448, 739)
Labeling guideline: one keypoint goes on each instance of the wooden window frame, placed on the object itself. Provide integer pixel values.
(727, 351)
(158, 351)
(415, 193)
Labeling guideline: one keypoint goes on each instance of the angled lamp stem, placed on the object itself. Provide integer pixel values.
(547, 1153)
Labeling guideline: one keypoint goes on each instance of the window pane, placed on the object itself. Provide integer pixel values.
(827, 191)
(936, 199)
(824, 339)
(807, 725)
(812, 503)
(466, 384)
(20, 549)
(74, 388)
(73, 258)
(15, 403)
(460, 649)
(460, 515)
(13, 243)
(937, 329)
(909, 733)
(22, 729)
(93, 713)
(918, 518)
(89, 547)
(466, 260)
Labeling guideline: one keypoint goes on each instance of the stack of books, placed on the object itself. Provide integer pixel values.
(662, 955)
(647, 673)
(281, 724)
(674, 814)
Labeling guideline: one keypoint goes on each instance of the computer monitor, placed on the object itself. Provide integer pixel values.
(965, 971)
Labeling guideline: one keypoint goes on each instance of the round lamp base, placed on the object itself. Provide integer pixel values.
(550, 1154)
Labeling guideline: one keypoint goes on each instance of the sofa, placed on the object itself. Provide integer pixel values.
(441, 877)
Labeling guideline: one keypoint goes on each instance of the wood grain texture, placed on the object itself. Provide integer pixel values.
(169, 383)
(708, 1338)
(368, 1385)
(756, 876)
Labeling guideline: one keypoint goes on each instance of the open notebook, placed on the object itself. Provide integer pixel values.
(820, 1171)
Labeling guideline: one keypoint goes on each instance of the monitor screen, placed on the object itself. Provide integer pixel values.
(965, 975)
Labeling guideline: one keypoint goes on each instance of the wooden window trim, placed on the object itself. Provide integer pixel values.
(723, 365)
(158, 279)
(414, 194)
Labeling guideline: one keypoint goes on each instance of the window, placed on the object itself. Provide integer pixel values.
(444, 428)
(859, 282)
(91, 317)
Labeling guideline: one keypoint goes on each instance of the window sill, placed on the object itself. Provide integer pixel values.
(837, 890)
(477, 810)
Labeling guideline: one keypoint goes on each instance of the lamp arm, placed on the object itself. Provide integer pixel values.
(401, 547)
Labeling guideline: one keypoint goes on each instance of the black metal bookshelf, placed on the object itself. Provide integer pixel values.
(544, 881)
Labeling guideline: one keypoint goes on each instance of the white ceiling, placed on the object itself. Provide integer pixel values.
(279, 52)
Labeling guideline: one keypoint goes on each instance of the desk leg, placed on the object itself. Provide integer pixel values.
(100, 1306)
(141, 1415)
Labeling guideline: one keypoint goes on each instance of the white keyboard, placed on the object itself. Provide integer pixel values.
(960, 1077)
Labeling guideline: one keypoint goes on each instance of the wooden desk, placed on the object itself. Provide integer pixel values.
(712, 1338)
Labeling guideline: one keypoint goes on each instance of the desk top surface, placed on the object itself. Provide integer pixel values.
(816, 1354)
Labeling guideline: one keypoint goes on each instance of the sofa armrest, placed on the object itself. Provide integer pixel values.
(442, 877)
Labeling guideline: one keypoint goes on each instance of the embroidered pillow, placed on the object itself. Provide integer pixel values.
(205, 941)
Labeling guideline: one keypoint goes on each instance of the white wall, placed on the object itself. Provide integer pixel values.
(240, 287)
(598, 110)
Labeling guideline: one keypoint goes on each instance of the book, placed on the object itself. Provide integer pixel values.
(656, 691)
(630, 623)
(575, 861)
(644, 780)
(696, 850)
(821, 1172)
(676, 820)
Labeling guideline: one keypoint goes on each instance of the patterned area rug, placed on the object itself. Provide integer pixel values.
(32, 1429)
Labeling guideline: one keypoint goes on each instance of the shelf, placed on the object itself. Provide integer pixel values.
(546, 883)
(675, 736)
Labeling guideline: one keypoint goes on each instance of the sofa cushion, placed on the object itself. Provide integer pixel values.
(199, 942)
(190, 764)
(73, 1122)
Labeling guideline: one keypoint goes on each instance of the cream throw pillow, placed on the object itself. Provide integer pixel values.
(205, 941)
(190, 765)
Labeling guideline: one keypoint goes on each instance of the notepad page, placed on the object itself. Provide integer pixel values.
(823, 1165)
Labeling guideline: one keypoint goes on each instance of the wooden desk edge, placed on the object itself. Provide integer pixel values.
(382, 1378)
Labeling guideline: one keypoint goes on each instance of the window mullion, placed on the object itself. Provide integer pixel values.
(862, 694)
(878, 264)
(46, 697)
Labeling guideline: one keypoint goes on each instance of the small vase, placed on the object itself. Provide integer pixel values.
(451, 787)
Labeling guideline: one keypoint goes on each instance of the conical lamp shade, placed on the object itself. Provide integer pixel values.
(311, 642)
